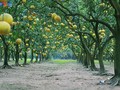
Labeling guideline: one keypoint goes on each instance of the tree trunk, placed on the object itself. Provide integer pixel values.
(117, 46)
(117, 55)
(79, 58)
(101, 64)
(5, 55)
(90, 61)
(92, 66)
(32, 56)
(40, 58)
(5, 63)
(85, 63)
(0, 55)
(36, 59)
(25, 58)
(17, 55)
(12, 55)
(115, 80)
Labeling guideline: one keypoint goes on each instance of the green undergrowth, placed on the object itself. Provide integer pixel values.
(105, 62)
(58, 61)
(11, 62)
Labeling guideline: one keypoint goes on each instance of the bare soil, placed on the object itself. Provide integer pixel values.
(51, 76)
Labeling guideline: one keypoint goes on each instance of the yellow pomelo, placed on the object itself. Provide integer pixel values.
(74, 26)
(24, 1)
(18, 41)
(53, 15)
(4, 28)
(27, 44)
(57, 18)
(32, 7)
(6, 17)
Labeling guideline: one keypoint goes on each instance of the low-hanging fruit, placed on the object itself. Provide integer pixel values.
(18, 41)
(24, 1)
(32, 7)
(5, 28)
(85, 37)
(47, 29)
(27, 44)
(53, 15)
(57, 18)
(6, 17)
(74, 26)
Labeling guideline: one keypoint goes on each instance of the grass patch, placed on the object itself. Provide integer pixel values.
(63, 61)
(28, 61)
(58, 61)
(105, 62)
(11, 62)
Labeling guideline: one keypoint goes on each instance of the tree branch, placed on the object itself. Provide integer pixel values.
(87, 34)
(105, 43)
(81, 15)
(115, 5)
(93, 20)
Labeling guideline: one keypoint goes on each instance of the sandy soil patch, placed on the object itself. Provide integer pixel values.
(50, 76)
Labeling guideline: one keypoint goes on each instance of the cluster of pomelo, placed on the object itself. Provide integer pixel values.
(101, 33)
(6, 21)
(56, 17)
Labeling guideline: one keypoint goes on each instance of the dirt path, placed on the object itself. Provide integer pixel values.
(49, 76)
